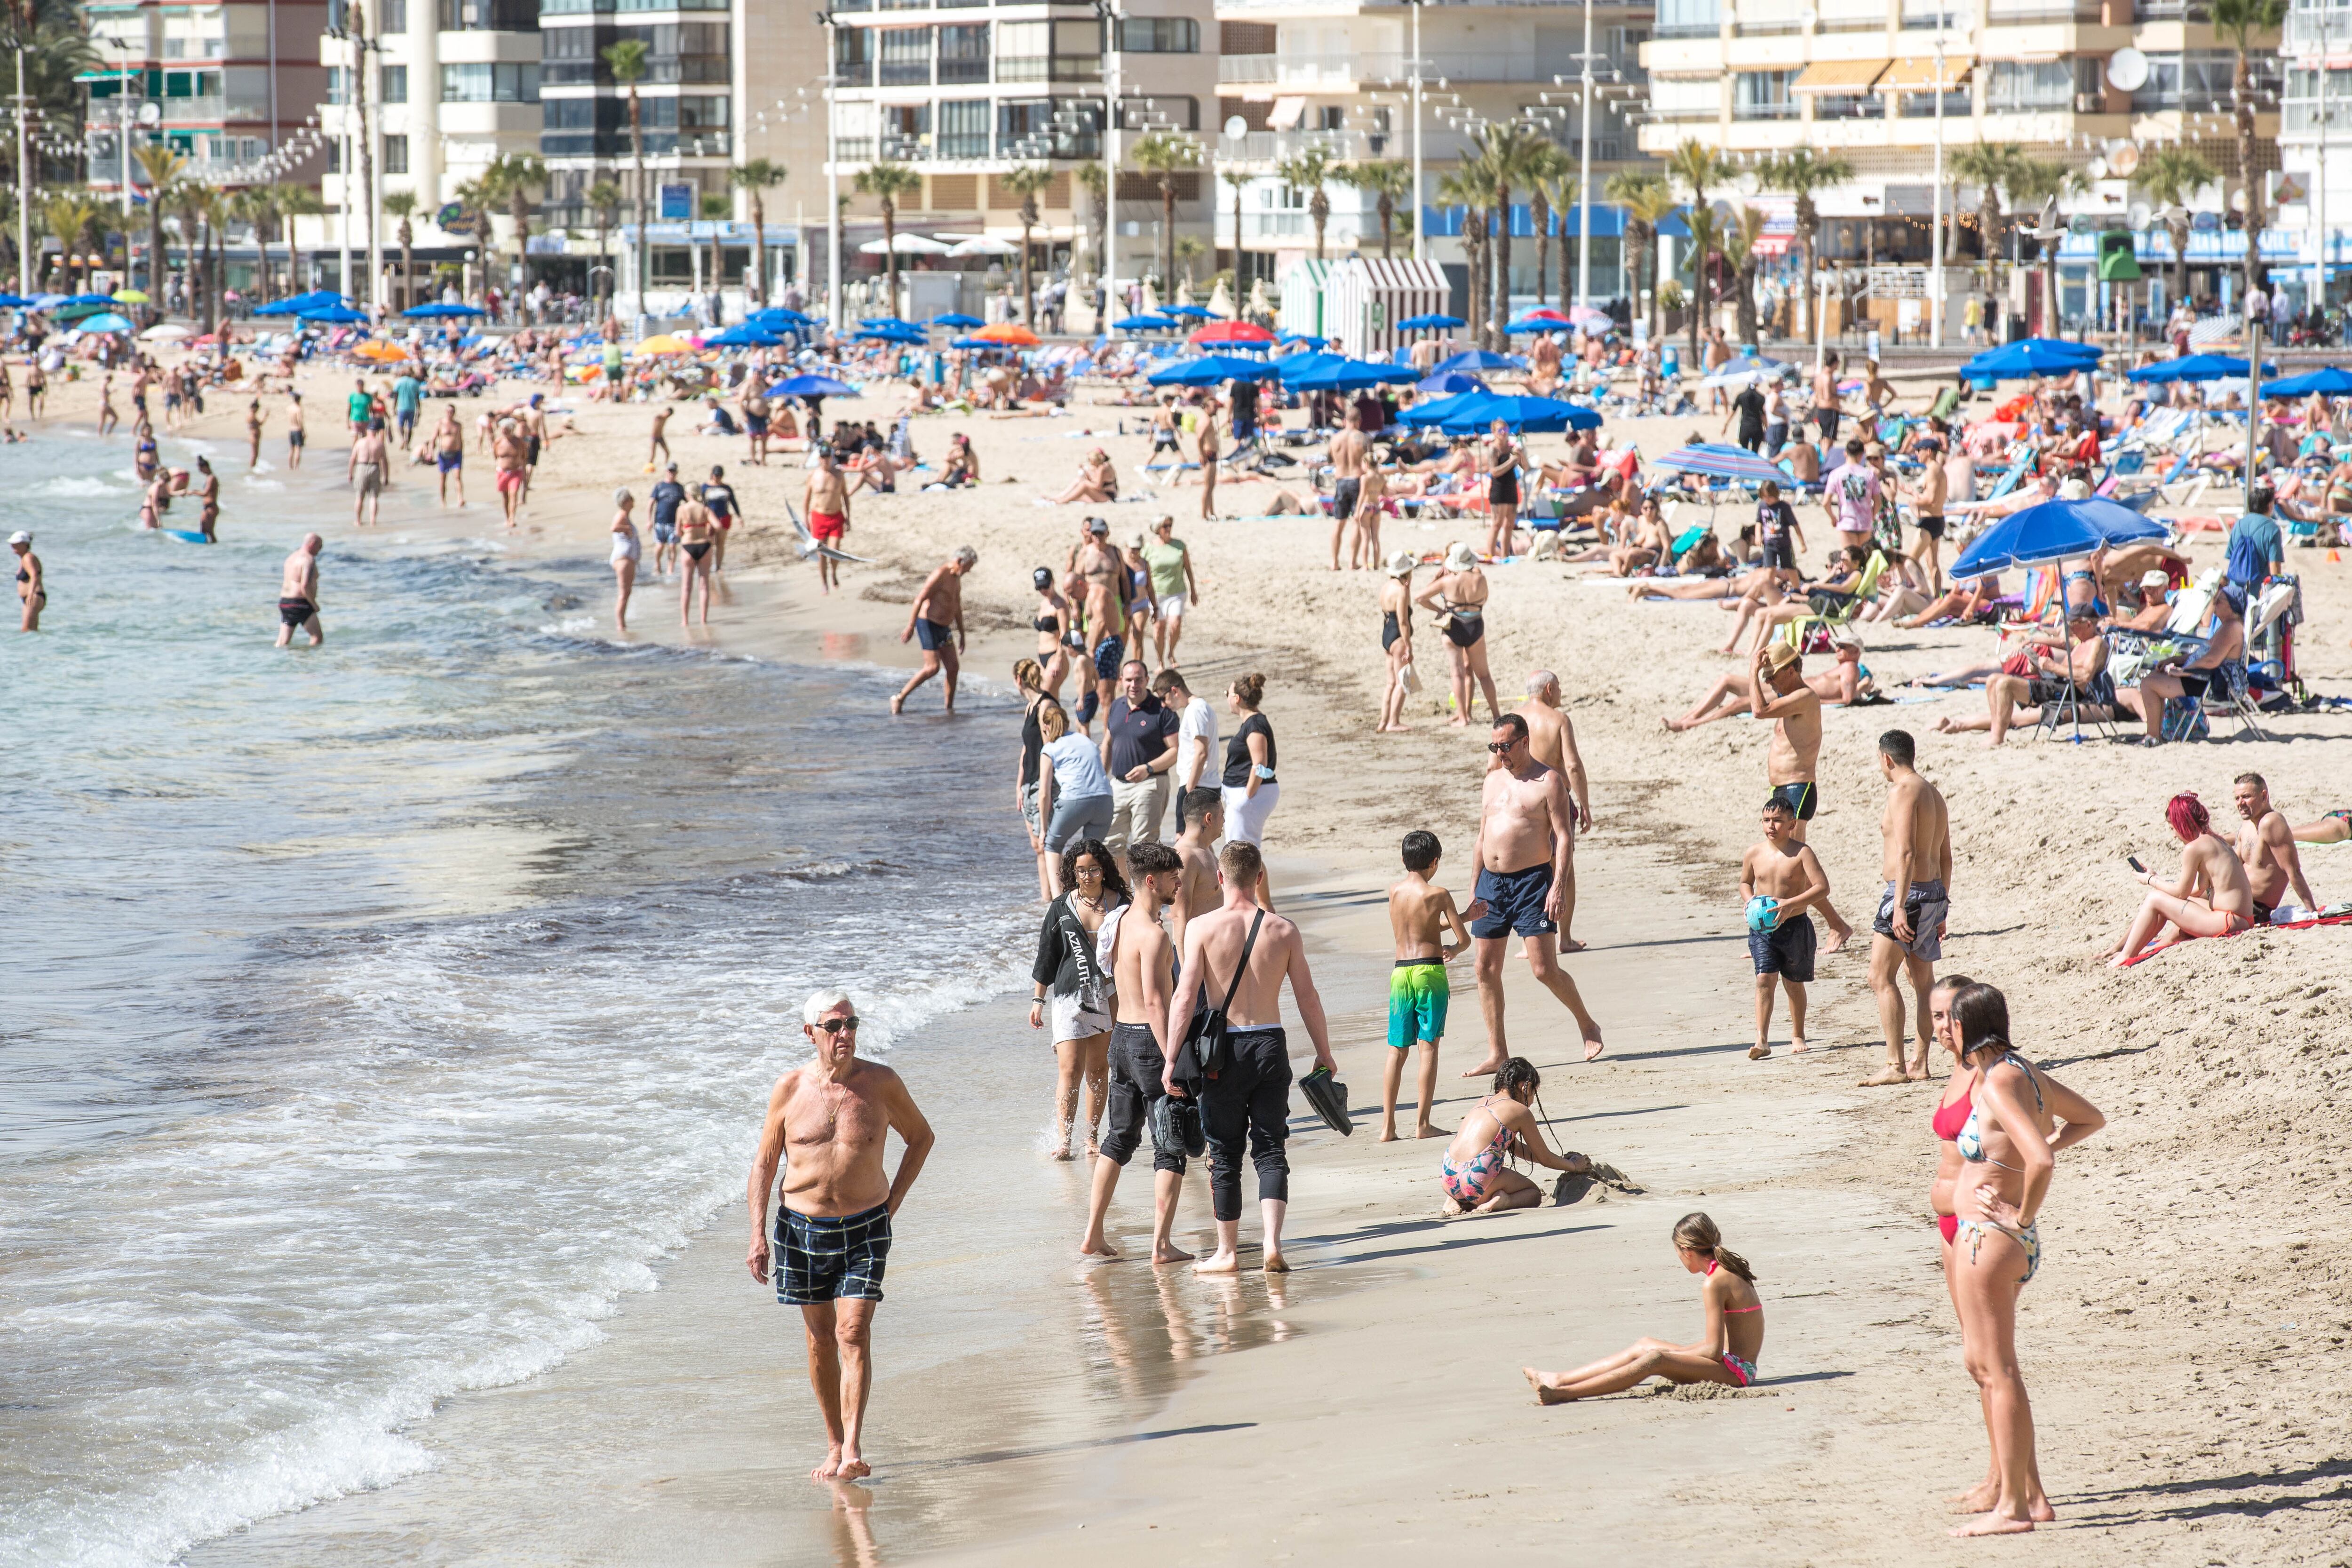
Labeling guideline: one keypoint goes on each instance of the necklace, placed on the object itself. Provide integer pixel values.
(1093, 903)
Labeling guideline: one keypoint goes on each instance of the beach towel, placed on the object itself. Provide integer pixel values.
(2335, 915)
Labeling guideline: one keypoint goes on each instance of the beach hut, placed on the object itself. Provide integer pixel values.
(1302, 297)
(1367, 302)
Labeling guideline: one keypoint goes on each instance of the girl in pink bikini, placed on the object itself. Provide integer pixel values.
(1726, 1350)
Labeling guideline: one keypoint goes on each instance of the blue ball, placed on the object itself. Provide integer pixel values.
(1763, 913)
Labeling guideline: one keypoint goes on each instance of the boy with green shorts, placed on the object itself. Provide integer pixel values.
(1420, 913)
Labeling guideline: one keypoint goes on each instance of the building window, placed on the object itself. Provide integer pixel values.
(1159, 35)
(489, 16)
(2016, 87)
(336, 92)
(489, 84)
(1331, 117)
(906, 57)
(335, 156)
(568, 57)
(1685, 98)
(853, 55)
(392, 16)
(2199, 82)
(1763, 95)
(1049, 128)
(963, 129)
(394, 84)
(395, 155)
(1049, 51)
(963, 57)
(1690, 18)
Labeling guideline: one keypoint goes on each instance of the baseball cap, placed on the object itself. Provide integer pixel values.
(1097, 525)
(2153, 578)
(20, 537)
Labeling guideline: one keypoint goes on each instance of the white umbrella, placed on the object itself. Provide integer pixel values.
(164, 330)
(907, 244)
(982, 245)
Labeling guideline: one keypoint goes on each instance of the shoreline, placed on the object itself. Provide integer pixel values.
(2155, 1265)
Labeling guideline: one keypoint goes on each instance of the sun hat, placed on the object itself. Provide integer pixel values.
(1401, 564)
(1460, 557)
(1778, 656)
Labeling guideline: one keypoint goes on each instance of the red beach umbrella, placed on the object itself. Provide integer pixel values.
(1231, 332)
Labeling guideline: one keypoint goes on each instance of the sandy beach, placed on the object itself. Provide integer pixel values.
(2184, 1341)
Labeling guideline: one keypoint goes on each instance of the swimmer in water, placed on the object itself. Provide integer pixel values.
(208, 499)
(298, 594)
(32, 582)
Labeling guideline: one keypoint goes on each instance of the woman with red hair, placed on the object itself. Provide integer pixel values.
(2213, 897)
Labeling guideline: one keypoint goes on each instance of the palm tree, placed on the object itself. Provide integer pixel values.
(1387, 182)
(715, 209)
(69, 215)
(257, 206)
(1648, 201)
(889, 182)
(1188, 249)
(297, 202)
(402, 205)
(474, 198)
(1471, 188)
(1308, 170)
(2036, 184)
(200, 221)
(626, 61)
(1239, 181)
(510, 178)
(1097, 188)
(161, 163)
(1548, 171)
(1166, 153)
(754, 177)
(1707, 231)
(48, 38)
(2171, 173)
(2244, 24)
(1698, 166)
(1026, 182)
(604, 206)
(1739, 249)
(1511, 155)
(1990, 166)
(1801, 171)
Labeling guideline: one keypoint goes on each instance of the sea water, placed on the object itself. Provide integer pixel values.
(377, 1018)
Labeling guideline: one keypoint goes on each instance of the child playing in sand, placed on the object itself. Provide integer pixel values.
(1780, 879)
(1420, 913)
(1726, 1350)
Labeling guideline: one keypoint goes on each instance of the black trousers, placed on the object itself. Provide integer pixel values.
(1135, 1068)
(1249, 1101)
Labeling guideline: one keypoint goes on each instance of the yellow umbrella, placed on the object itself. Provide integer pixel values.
(133, 296)
(664, 343)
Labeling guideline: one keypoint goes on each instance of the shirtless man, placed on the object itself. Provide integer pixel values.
(1552, 739)
(507, 451)
(1927, 497)
(936, 610)
(1788, 873)
(1351, 455)
(1196, 846)
(449, 452)
(658, 445)
(1250, 1099)
(1844, 684)
(1826, 408)
(1142, 966)
(1208, 453)
(1778, 693)
(297, 593)
(1907, 937)
(827, 498)
(1526, 830)
(208, 501)
(2266, 843)
(828, 1123)
(369, 458)
(1103, 602)
(294, 433)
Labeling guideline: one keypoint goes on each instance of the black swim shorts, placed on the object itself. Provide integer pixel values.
(820, 1258)
(1515, 902)
(1801, 797)
(1109, 654)
(294, 612)
(1344, 496)
(934, 635)
(1786, 949)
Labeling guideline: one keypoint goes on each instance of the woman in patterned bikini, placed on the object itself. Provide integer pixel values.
(1475, 1178)
(1726, 1352)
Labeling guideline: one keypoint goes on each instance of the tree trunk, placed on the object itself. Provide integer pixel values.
(1386, 207)
(1541, 211)
(891, 257)
(2178, 230)
(1498, 339)
(1319, 207)
(638, 156)
(1168, 235)
(759, 249)
(1028, 292)
(1746, 303)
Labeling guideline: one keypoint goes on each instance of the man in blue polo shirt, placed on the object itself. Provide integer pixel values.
(2257, 552)
(1138, 747)
(667, 497)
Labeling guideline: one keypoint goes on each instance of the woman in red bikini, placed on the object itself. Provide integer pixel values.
(2213, 896)
(1727, 1352)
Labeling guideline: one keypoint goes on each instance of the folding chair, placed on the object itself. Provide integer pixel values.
(2227, 696)
(2080, 703)
(1796, 631)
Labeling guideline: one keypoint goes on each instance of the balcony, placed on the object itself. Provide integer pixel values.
(2317, 32)
(1049, 68)
(1763, 112)
(2039, 13)
(1342, 73)
(2172, 11)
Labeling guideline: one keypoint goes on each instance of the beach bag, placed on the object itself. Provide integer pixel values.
(2184, 719)
(1208, 1047)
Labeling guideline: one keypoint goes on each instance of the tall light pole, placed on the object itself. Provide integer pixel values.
(1584, 175)
(23, 180)
(1110, 17)
(1419, 226)
(1936, 235)
(832, 178)
(2319, 195)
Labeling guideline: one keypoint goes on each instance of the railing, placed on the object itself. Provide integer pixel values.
(2172, 11)
(210, 108)
(2318, 32)
(1388, 64)
(1686, 30)
(1276, 225)
(905, 73)
(2031, 13)
(1049, 68)
(1763, 112)
(1834, 107)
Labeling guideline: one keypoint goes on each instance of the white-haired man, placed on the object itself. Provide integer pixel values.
(827, 1122)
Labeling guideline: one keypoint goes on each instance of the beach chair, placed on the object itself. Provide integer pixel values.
(2230, 697)
(2012, 477)
(2079, 704)
(1797, 631)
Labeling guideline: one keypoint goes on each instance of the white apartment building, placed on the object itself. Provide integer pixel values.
(2315, 147)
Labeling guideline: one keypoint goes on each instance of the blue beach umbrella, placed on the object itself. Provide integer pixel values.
(334, 316)
(106, 321)
(2196, 368)
(741, 336)
(9, 301)
(294, 304)
(1309, 339)
(887, 323)
(438, 311)
(1739, 371)
(1451, 382)
(1147, 323)
(1348, 375)
(775, 316)
(91, 299)
(1290, 367)
(1715, 461)
(1476, 360)
(1211, 370)
(1475, 411)
(1429, 323)
(2328, 381)
(2053, 530)
(2031, 357)
(1189, 312)
(957, 319)
(893, 335)
(812, 387)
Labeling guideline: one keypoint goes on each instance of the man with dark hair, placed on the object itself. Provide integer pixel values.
(2266, 843)
(1246, 952)
(1196, 849)
(1780, 879)
(1779, 691)
(1420, 914)
(2257, 552)
(1908, 936)
(1526, 827)
(1142, 975)
(1196, 738)
(1138, 751)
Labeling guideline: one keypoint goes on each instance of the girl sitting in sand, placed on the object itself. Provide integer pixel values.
(1727, 1351)
(1477, 1180)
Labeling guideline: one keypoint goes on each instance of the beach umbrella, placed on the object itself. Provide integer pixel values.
(2030, 357)
(904, 245)
(1288, 367)
(741, 336)
(1011, 334)
(380, 351)
(973, 343)
(91, 299)
(132, 297)
(894, 335)
(1450, 383)
(436, 312)
(334, 316)
(1429, 323)
(2328, 381)
(2053, 530)
(663, 343)
(165, 331)
(957, 319)
(1476, 360)
(2196, 368)
(1230, 333)
(1739, 371)
(884, 322)
(9, 301)
(779, 318)
(812, 387)
(294, 304)
(1475, 411)
(106, 321)
(983, 244)
(1309, 339)
(1716, 460)
(1212, 370)
(1347, 375)
(1542, 319)
(48, 301)
(1585, 316)
(1147, 323)
(1190, 312)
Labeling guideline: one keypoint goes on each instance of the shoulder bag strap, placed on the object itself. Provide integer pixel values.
(1242, 968)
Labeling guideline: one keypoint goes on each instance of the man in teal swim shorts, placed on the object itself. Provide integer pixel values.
(1420, 913)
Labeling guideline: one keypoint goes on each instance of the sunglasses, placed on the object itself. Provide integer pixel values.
(838, 1026)
(1500, 746)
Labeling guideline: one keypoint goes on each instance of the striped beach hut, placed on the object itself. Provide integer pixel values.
(1365, 297)
(1302, 297)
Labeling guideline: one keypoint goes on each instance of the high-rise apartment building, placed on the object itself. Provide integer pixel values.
(233, 81)
(2314, 144)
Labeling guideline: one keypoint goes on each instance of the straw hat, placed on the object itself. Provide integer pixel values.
(1778, 656)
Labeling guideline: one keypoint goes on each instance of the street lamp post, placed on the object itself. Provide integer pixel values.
(1584, 175)
(1420, 227)
(2319, 197)
(832, 178)
(1108, 14)
(1935, 237)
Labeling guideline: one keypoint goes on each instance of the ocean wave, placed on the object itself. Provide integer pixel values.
(73, 485)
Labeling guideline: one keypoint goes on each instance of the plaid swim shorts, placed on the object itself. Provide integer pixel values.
(820, 1258)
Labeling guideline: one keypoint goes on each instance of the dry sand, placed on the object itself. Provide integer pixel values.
(2184, 1342)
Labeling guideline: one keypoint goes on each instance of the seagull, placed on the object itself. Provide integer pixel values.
(808, 546)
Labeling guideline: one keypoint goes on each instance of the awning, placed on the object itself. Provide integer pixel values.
(1838, 75)
(1918, 75)
(1287, 113)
